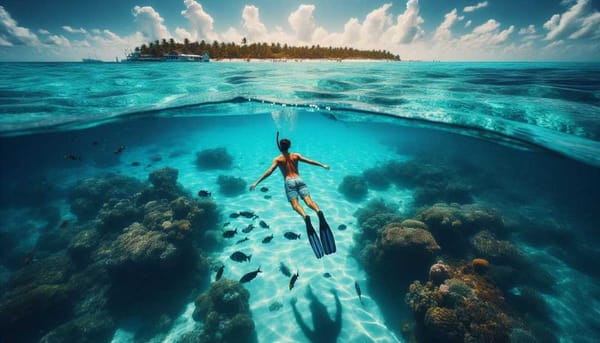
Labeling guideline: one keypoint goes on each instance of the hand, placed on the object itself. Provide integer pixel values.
(252, 187)
(326, 166)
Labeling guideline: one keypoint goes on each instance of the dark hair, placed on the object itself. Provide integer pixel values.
(284, 144)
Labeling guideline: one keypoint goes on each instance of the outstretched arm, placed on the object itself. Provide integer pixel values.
(265, 175)
(313, 162)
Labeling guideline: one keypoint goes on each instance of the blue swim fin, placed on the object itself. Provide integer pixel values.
(315, 243)
(326, 235)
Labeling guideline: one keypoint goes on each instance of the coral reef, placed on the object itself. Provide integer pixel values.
(439, 272)
(217, 158)
(164, 186)
(486, 245)
(480, 265)
(226, 314)
(376, 178)
(230, 185)
(354, 188)
(116, 214)
(374, 217)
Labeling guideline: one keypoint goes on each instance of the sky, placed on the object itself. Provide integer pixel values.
(457, 30)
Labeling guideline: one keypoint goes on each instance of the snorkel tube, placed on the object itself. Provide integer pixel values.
(277, 141)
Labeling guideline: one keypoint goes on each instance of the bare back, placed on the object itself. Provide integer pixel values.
(288, 165)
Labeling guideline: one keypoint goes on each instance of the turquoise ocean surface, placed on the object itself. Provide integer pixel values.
(464, 199)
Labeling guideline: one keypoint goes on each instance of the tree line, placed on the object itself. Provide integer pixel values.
(222, 50)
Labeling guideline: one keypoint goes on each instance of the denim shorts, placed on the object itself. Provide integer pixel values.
(295, 186)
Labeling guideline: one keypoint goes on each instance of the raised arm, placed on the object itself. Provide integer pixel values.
(265, 175)
(309, 161)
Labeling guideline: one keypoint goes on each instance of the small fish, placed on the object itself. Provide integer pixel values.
(293, 280)
(239, 256)
(284, 269)
(234, 215)
(267, 197)
(204, 193)
(95, 143)
(291, 235)
(229, 233)
(73, 157)
(148, 165)
(263, 224)
(267, 239)
(242, 240)
(357, 287)
(119, 149)
(342, 227)
(224, 225)
(248, 228)
(220, 273)
(136, 164)
(264, 189)
(326, 275)
(64, 224)
(248, 214)
(250, 276)
(275, 306)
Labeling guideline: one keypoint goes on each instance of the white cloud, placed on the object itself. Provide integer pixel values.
(232, 35)
(407, 28)
(375, 23)
(201, 23)
(302, 22)
(468, 23)
(475, 7)
(59, 40)
(577, 22)
(12, 34)
(43, 32)
(443, 33)
(486, 34)
(72, 30)
(529, 30)
(150, 23)
(257, 31)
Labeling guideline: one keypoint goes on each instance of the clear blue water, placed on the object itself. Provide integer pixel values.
(521, 138)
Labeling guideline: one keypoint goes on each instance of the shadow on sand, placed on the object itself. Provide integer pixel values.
(325, 330)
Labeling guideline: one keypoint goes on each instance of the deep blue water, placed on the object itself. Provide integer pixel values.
(522, 139)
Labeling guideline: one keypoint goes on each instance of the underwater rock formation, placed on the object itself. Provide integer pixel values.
(116, 214)
(486, 245)
(217, 158)
(373, 218)
(231, 186)
(89, 328)
(354, 188)
(164, 186)
(376, 178)
(225, 311)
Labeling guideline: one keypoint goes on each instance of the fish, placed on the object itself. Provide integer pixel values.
(267, 239)
(95, 143)
(326, 275)
(268, 197)
(242, 240)
(264, 189)
(239, 256)
(229, 233)
(293, 280)
(284, 269)
(220, 273)
(291, 235)
(234, 215)
(342, 227)
(64, 224)
(119, 149)
(357, 287)
(248, 214)
(263, 224)
(73, 157)
(204, 193)
(248, 228)
(225, 224)
(136, 164)
(250, 276)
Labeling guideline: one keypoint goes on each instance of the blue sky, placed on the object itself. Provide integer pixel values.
(415, 29)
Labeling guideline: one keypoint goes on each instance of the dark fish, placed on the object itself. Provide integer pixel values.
(229, 233)
(293, 280)
(264, 189)
(268, 197)
(64, 224)
(242, 240)
(224, 225)
(136, 164)
(284, 269)
(248, 214)
(120, 149)
(73, 157)
(357, 287)
(234, 215)
(263, 224)
(95, 143)
(326, 275)
(239, 256)
(220, 273)
(342, 227)
(148, 165)
(204, 193)
(291, 235)
(248, 228)
(250, 276)
(267, 239)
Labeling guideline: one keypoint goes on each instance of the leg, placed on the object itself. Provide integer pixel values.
(296, 206)
(310, 203)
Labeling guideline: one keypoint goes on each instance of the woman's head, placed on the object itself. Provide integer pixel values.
(284, 145)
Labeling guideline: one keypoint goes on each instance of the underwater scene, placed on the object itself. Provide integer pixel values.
(462, 201)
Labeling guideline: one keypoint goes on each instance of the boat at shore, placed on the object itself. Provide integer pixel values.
(171, 57)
